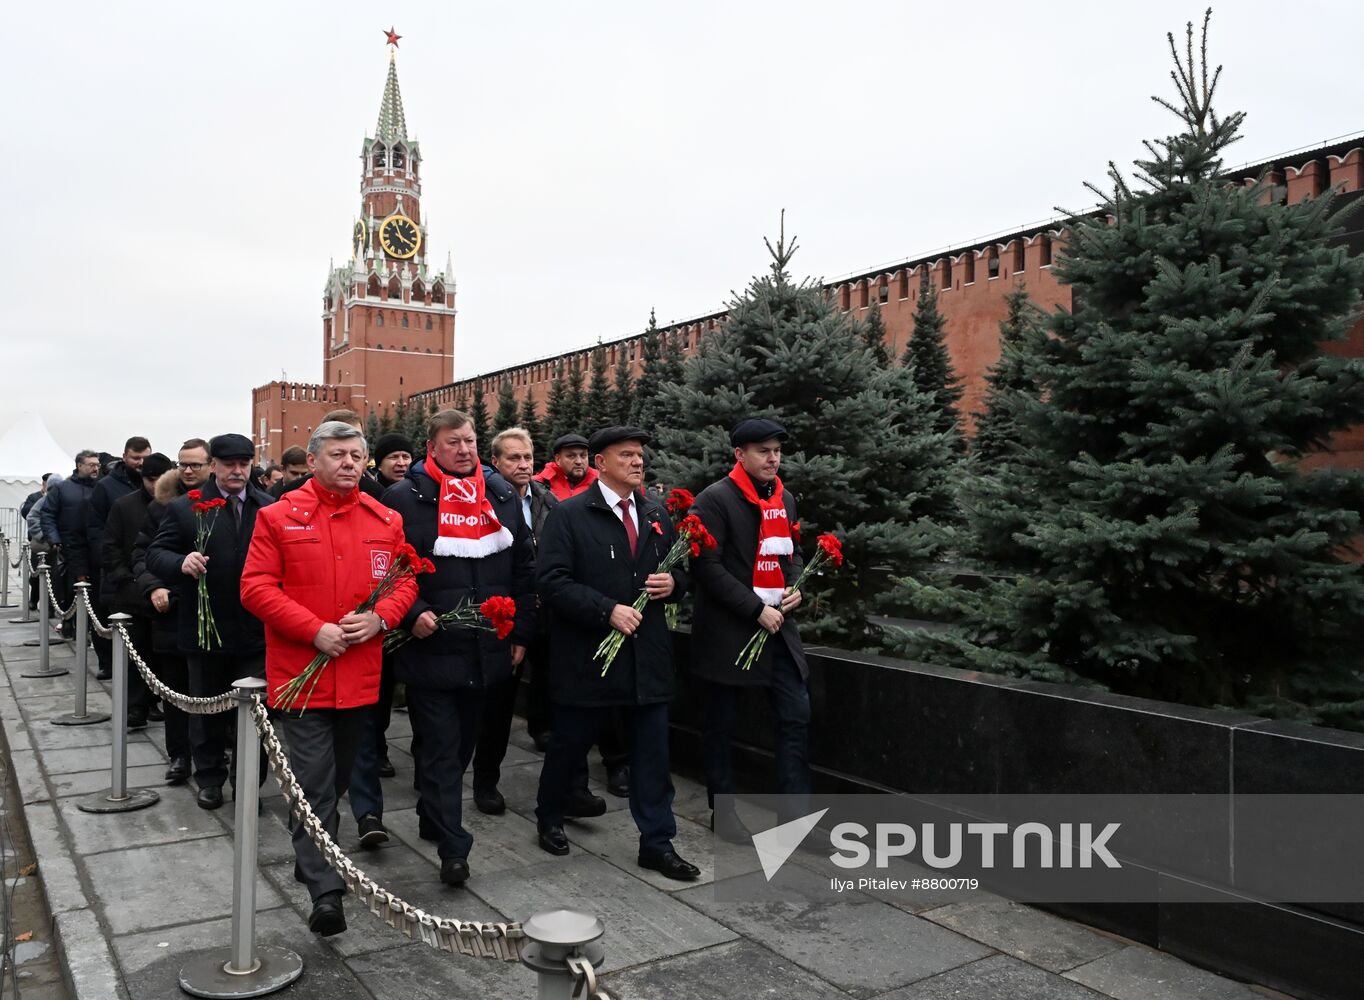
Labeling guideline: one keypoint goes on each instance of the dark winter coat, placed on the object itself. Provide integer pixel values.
(63, 520)
(458, 658)
(584, 570)
(542, 501)
(29, 501)
(118, 483)
(165, 624)
(725, 612)
(117, 581)
(241, 631)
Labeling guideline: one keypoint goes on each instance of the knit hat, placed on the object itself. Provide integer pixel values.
(389, 443)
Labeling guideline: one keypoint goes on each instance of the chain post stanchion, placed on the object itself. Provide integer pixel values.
(44, 640)
(564, 949)
(244, 969)
(119, 798)
(25, 569)
(79, 716)
(4, 569)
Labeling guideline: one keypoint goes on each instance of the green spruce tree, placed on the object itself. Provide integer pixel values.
(927, 359)
(508, 412)
(1007, 381)
(574, 403)
(556, 409)
(623, 390)
(650, 381)
(1172, 541)
(530, 423)
(874, 333)
(478, 410)
(863, 458)
(598, 408)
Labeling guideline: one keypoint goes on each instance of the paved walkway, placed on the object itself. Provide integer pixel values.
(132, 895)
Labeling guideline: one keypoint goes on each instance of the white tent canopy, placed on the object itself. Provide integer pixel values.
(27, 450)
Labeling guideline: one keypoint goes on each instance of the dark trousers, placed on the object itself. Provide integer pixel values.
(211, 674)
(651, 783)
(445, 733)
(172, 669)
(139, 695)
(104, 648)
(366, 793)
(493, 733)
(789, 698)
(322, 744)
(539, 707)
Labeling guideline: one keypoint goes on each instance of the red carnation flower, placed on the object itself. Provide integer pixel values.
(695, 550)
(679, 501)
(428, 566)
(195, 494)
(795, 532)
(832, 547)
(658, 528)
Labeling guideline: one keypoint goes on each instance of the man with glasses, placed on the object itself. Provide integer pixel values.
(172, 556)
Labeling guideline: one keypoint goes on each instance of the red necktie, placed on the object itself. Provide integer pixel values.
(630, 531)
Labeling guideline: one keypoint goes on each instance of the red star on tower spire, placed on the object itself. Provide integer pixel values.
(393, 37)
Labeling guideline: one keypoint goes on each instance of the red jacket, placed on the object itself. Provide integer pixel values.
(315, 556)
(553, 477)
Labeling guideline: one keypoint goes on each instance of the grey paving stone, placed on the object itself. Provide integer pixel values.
(1140, 973)
(996, 978)
(859, 944)
(86, 782)
(97, 758)
(273, 841)
(421, 973)
(615, 838)
(61, 883)
(521, 784)
(737, 970)
(501, 843)
(173, 818)
(642, 924)
(32, 787)
(1037, 938)
(151, 961)
(132, 885)
(47, 736)
(87, 956)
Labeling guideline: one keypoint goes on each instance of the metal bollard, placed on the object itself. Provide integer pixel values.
(79, 716)
(118, 798)
(556, 937)
(244, 969)
(4, 572)
(25, 568)
(44, 640)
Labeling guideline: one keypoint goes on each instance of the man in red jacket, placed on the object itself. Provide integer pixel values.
(315, 557)
(569, 474)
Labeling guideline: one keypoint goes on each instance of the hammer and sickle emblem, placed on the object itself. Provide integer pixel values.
(463, 490)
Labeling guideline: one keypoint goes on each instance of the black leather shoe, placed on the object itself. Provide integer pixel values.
(386, 768)
(154, 714)
(552, 839)
(729, 827)
(490, 801)
(454, 871)
(541, 741)
(104, 675)
(328, 917)
(210, 797)
(670, 864)
(178, 772)
(426, 829)
(372, 832)
(137, 719)
(618, 781)
(584, 805)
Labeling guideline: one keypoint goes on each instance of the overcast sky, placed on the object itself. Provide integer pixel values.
(178, 177)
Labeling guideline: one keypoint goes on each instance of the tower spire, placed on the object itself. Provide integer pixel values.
(392, 126)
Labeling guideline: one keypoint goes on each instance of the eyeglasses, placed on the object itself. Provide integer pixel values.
(190, 466)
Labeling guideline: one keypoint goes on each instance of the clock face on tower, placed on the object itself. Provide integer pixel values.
(358, 236)
(400, 237)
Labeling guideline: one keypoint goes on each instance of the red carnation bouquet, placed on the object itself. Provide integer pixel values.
(405, 562)
(678, 502)
(829, 550)
(692, 537)
(498, 612)
(205, 513)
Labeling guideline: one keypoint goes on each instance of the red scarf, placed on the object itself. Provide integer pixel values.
(774, 537)
(557, 480)
(465, 525)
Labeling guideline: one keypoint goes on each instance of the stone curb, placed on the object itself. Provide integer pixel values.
(87, 963)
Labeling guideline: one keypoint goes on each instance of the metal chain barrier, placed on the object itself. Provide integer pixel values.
(190, 704)
(585, 980)
(65, 615)
(101, 630)
(501, 941)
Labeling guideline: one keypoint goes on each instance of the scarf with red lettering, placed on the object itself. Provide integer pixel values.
(774, 537)
(465, 523)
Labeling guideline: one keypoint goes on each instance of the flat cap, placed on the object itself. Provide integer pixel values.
(607, 436)
(227, 446)
(569, 441)
(756, 429)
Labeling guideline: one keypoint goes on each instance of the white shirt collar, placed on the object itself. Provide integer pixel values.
(613, 498)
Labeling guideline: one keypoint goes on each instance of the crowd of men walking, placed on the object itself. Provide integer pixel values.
(296, 548)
